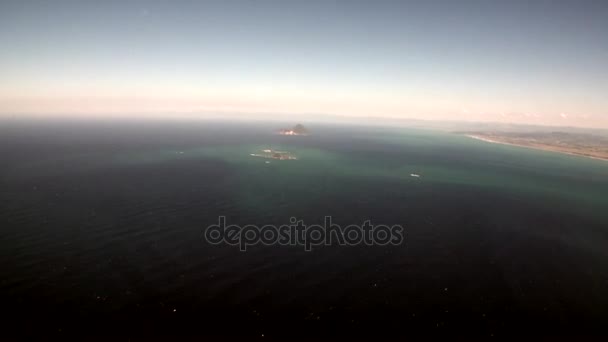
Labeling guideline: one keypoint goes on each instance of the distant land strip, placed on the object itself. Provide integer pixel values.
(584, 145)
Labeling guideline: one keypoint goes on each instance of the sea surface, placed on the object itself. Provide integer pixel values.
(101, 233)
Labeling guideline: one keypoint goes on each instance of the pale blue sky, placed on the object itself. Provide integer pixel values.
(522, 61)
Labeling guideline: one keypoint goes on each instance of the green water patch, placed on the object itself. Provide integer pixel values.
(577, 182)
(260, 184)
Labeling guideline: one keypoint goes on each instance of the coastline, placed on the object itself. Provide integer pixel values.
(539, 148)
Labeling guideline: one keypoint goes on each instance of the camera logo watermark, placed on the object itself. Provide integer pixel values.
(299, 234)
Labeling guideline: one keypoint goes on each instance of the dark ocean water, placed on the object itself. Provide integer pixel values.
(102, 233)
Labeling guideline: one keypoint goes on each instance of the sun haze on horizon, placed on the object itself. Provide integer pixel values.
(529, 62)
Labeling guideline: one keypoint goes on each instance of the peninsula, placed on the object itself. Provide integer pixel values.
(580, 144)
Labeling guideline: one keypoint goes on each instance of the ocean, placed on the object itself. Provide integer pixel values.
(102, 233)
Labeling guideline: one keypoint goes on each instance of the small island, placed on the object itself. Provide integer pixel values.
(274, 154)
(296, 130)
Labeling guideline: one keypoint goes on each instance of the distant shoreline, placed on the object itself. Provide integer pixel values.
(540, 148)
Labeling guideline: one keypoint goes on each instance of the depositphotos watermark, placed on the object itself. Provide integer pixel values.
(299, 234)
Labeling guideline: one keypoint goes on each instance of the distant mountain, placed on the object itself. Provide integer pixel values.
(298, 129)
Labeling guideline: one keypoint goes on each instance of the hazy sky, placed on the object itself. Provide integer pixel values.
(515, 61)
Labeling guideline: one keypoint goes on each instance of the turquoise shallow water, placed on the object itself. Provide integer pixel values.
(102, 229)
(575, 184)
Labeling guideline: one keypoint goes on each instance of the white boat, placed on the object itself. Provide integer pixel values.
(415, 175)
